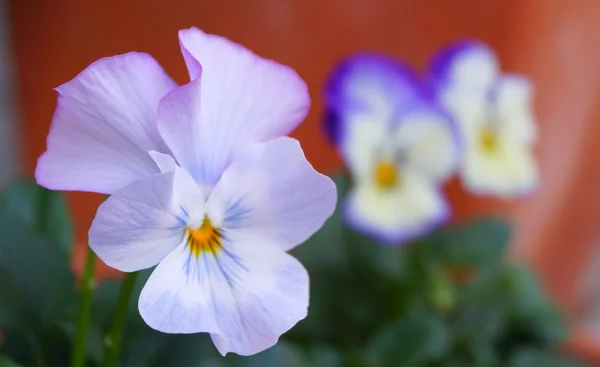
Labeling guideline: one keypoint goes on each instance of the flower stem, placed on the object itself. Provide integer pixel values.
(84, 311)
(115, 334)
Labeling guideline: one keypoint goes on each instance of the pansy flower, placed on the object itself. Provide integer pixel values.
(203, 183)
(398, 146)
(494, 113)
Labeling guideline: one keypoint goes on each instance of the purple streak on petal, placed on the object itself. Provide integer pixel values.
(400, 236)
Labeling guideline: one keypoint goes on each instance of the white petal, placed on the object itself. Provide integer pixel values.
(104, 126)
(430, 143)
(515, 107)
(469, 109)
(473, 65)
(138, 226)
(398, 215)
(246, 296)
(239, 99)
(508, 173)
(164, 162)
(270, 192)
(365, 140)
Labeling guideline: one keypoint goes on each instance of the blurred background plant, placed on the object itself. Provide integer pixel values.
(452, 298)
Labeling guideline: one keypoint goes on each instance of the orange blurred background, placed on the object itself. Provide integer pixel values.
(555, 42)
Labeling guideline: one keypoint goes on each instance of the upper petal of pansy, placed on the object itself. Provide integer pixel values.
(139, 225)
(396, 215)
(369, 84)
(282, 200)
(104, 125)
(245, 294)
(428, 143)
(240, 98)
(468, 64)
(514, 103)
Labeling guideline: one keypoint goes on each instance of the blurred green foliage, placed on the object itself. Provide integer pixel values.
(450, 300)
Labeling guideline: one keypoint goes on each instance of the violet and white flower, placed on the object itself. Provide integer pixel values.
(397, 144)
(494, 113)
(203, 182)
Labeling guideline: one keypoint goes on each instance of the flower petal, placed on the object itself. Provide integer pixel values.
(514, 96)
(104, 126)
(138, 226)
(371, 85)
(510, 172)
(365, 141)
(467, 64)
(430, 143)
(282, 200)
(246, 295)
(165, 162)
(399, 215)
(239, 99)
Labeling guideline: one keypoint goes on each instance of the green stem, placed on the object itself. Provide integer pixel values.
(115, 334)
(84, 312)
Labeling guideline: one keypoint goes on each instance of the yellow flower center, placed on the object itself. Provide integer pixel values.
(386, 175)
(204, 239)
(488, 139)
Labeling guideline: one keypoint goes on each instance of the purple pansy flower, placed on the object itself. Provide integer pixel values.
(397, 144)
(494, 113)
(203, 183)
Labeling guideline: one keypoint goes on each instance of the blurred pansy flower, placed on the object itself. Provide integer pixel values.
(398, 146)
(494, 113)
(203, 183)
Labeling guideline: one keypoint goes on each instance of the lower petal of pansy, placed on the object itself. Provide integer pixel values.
(245, 294)
(272, 193)
(139, 225)
(508, 171)
(396, 215)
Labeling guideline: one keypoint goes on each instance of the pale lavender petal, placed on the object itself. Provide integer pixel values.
(239, 99)
(270, 192)
(164, 162)
(104, 125)
(246, 295)
(138, 226)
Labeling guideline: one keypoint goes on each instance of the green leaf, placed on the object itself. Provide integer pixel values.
(478, 321)
(416, 338)
(11, 308)
(532, 312)
(535, 358)
(197, 350)
(38, 273)
(323, 356)
(7, 362)
(282, 354)
(481, 243)
(44, 211)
